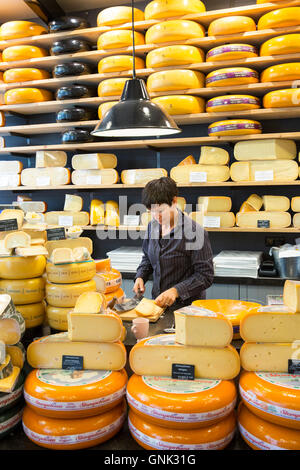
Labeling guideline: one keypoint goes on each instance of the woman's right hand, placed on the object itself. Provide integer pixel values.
(139, 286)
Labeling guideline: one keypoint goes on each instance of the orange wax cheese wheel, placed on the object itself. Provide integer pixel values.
(111, 280)
(119, 63)
(80, 433)
(57, 317)
(118, 294)
(33, 314)
(14, 53)
(189, 160)
(262, 435)
(282, 98)
(73, 394)
(281, 45)
(104, 108)
(231, 52)
(65, 295)
(15, 267)
(169, 80)
(272, 396)
(118, 39)
(153, 437)
(174, 30)
(231, 25)
(194, 404)
(232, 103)
(181, 104)
(103, 265)
(71, 273)
(174, 55)
(111, 87)
(24, 75)
(24, 291)
(234, 127)
(20, 29)
(163, 9)
(26, 95)
(118, 15)
(281, 72)
(282, 18)
(231, 76)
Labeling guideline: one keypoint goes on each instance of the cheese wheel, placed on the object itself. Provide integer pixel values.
(67, 23)
(282, 18)
(142, 176)
(111, 86)
(251, 219)
(232, 103)
(118, 15)
(26, 95)
(231, 52)
(70, 69)
(295, 204)
(45, 176)
(281, 45)
(67, 218)
(225, 219)
(119, 39)
(231, 76)
(77, 433)
(276, 203)
(174, 80)
(262, 435)
(174, 30)
(296, 221)
(231, 25)
(65, 295)
(282, 98)
(281, 72)
(169, 56)
(279, 170)
(70, 273)
(33, 314)
(104, 108)
(213, 156)
(57, 317)
(2, 123)
(234, 127)
(181, 104)
(180, 404)
(15, 267)
(265, 149)
(69, 46)
(24, 75)
(20, 29)
(153, 437)
(119, 63)
(14, 53)
(95, 177)
(25, 291)
(214, 204)
(164, 9)
(57, 393)
(118, 294)
(190, 173)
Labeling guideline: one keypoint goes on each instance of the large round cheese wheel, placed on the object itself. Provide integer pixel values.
(281, 45)
(234, 127)
(26, 95)
(262, 435)
(10, 419)
(118, 15)
(274, 397)
(232, 103)
(282, 98)
(231, 25)
(15, 267)
(174, 80)
(24, 291)
(69, 46)
(69, 434)
(71, 273)
(73, 92)
(180, 404)
(33, 314)
(80, 136)
(151, 436)
(20, 29)
(14, 53)
(68, 23)
(174, 55)
(104, 107)
(282, 18)
(119, 63)
(231, 52)
(118, 39)
(77, 113)
(232, 76)
(9, 400)
(164, 9)
(281, 72)
(24, 75)
(111, 86)
(71, 69)
(181, 104)
(65, 295)
(73, 394)
(174, 30)
(57, 317)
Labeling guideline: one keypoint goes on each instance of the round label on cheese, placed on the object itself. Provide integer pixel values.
(231, 48)
(229, 75)
(231, 101)
(69, 378)
(164, 384)
(283, 380)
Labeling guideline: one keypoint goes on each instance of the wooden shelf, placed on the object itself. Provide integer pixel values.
(124, 228)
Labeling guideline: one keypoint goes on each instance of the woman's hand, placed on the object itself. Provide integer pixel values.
(167, 298)
(139, 286)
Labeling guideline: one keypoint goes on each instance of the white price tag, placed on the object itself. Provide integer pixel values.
(43, 181)
(133, 220)
(264, 175)
(95, 179)
(212, 222)
(65, 220)
(4, 182)
(198, 177)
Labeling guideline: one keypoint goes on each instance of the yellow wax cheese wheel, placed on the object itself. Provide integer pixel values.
(282, 98)
(111, 86)
(181, 104)
(119, 39)
(262, 435)
(118, 63)
(57, 317)
(118, 15)
(71, 434)
(231, 52)
(164, 9)
(24, 75)
(281, 45)
(234, 127)
(174, 30)
(24, 291)
(65, 295)
(274, 397)
(14, 53)
(231, 25)
(57, 393)
(15, 267)
(180, 404)
(33, 314)
(174, 55)
(232, 103)
(281, 72)
(153, 437)
(97, 212)
(169, 80)
(71, 273)
(20, 29)
(282, 18)
(104, 108)
(231, 76)
(27, 95)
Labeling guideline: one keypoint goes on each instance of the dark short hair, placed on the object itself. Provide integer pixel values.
(159, 191)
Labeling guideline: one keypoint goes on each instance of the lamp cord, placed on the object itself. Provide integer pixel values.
(133, 41)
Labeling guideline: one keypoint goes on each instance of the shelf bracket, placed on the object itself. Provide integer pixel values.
(46, 10)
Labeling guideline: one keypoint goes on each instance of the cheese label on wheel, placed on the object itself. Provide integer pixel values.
(233, 127)
(69, 378)
(198, 177)
(165, 384)
(228, 75)
(230, 101)
(283, 380)
(231, 48)
(165, 340)
(256, 441)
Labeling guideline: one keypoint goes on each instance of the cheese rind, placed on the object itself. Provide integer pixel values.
(214, 203)
(96, 328)
(169, 80)
(266, 149)
(250, 219)
(65, 295)
(232, 103)
(281, 73)
(18, 354)
(267, 357)
(57, 317)
(212, 173)
(24, 291)
(10, 167)
(231, 76)
(69, 243)
(291, 295)
(174, 30)
(15, 53)
(231, 52)
(71, 273)
(45, 176)
(281, 45)
(8, 384)
(111, 86)
(280, 170)
(276, 203)
(282, 98)
(142, 176)
(33, 314)
(47, 158)
(281, 18)
(94, 161)
(24, 75)
(20, 29)
(231, 25)
(119, 63)
(234, 127)
(254, 201)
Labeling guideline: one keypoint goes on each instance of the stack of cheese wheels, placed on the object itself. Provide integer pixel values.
(49, 170)
(76, 409)
(108, 280)
(214, 211)
(94, 168)
(167, 413)
(295, 205)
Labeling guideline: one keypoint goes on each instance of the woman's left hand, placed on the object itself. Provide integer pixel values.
(167, 298)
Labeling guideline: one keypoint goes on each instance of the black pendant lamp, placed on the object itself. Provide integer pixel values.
(135, 115)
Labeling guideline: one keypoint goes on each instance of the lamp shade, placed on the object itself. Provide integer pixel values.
(135, 115)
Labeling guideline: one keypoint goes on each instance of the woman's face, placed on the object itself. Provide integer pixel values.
(163, 213)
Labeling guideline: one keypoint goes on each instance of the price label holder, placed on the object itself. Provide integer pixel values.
(94, 180)
(4, 181)
(56, 233)
(198, 177)
(72, 362)
(294, 367)
(132, 220)
(263, 224)
(43, 181)
(8, 225)
(211, 222)
(183, 371)
(264, 175)
(65, 220)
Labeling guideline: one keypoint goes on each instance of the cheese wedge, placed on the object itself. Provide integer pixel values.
(268, 357)
(214, 204)
(255, 201)
(200, 173)
(279, 170)
(218, 219)
(67, 219)
(189, 160)
(142, 176)
(97, 328)
(276, 203)
(31, 251)
(8, 384)
(94, 161)
(291, 295)
(95, 177)
(81, 253)
(250, 219)
(148, 308)
(89, 302)
(154, 356)
(73, 203)
(16, 240)
(265, 149)
(295, 204)
(8, 214)
(47, 158)
(213, 156)
(12, 324)
(62, 255)
(69, 243)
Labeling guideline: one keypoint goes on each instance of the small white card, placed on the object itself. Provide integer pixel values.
(4, 182)
(198, 177)
(96, 179)
(65, 220)
(212, 222)
(43, 181)
(264, 175)
(133, 220)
